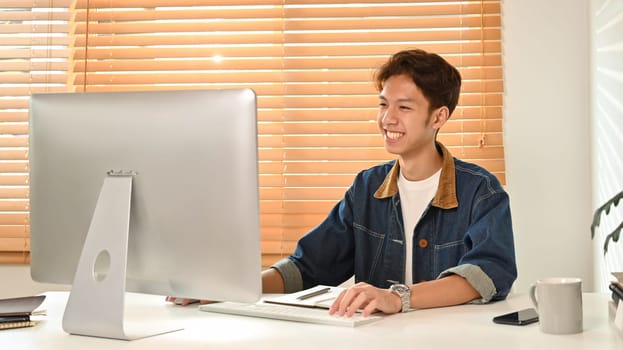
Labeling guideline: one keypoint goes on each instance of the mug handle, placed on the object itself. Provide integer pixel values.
(533, 296)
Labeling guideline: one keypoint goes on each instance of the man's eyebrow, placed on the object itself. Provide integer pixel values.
(406, 99)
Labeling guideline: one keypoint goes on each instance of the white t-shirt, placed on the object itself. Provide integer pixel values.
(414, 198)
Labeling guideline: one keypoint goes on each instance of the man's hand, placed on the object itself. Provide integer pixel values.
(185, 301)
(367, 298)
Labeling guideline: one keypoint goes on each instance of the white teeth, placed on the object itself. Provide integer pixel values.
(393, 135)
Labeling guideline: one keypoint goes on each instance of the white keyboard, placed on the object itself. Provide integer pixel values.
(288, 313)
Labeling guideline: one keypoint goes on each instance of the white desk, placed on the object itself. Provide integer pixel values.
(460, 327)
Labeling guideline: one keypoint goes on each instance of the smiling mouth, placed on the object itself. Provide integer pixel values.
(393, 135)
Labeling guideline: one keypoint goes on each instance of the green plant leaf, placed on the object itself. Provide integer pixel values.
(605, 208)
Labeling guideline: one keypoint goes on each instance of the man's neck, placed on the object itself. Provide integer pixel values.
(422, 164)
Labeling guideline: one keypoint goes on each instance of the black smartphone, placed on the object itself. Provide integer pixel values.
(518, 318)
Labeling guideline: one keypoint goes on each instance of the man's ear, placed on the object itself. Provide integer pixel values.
(440, 117)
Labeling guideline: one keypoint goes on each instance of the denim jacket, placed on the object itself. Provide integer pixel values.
(466, 230)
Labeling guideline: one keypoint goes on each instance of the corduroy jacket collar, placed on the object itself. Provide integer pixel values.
(445, 198)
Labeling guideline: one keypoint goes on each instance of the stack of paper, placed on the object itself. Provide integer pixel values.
(16, 312)
(617, 294)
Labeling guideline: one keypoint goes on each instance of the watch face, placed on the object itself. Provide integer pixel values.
(404, 292)
(400, 288)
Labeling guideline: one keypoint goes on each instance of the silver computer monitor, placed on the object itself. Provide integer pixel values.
(189, 159)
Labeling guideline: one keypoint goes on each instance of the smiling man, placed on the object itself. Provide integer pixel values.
(425, 230)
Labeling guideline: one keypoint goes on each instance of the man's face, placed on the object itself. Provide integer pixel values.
(404, 119)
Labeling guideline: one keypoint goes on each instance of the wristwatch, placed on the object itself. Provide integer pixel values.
(404, 292)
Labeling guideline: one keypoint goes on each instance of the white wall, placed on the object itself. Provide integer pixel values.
(546, 135)
(607, 128)
(16, 282)
(546, 63)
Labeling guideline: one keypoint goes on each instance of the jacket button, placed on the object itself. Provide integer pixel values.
(423, 243)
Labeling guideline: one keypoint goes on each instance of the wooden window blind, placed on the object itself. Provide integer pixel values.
(311, 63)
(33, 58)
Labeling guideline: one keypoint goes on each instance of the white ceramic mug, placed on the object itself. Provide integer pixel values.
(558, 301)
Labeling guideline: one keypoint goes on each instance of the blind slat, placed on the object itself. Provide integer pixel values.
(15, 129)
(469, 34)
(32, 28)
(14, 193)
(345, 167)
(162, 53)
(33, 40)
(300, 207)
(388, 2)
(15, 258)
(12, 231)
(121, 4)
(257, 76)
(10, 180)
(11, 218)
(367, 114)
(27, 15)
(13, 141)
(15, 244)
(325, 167)
(342, 128)
(244, 26)
(246, 63)
(28, 65)
(471, 152)
(258, 37)
(201, 13)
(356, 49)
(264, 36)
(411, 22)
(277, 180)
(364, 140)
(368, 23)
(14, 205)
(25, 4)
(401, 9)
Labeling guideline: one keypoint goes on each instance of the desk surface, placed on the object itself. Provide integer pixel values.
(459, 327)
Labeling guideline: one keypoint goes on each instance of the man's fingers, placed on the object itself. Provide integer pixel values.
(181, 301)
(336, 303)
(370, 308)
(347, 300)
(358, 302)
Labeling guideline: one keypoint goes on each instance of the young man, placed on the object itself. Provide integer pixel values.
(426, 230)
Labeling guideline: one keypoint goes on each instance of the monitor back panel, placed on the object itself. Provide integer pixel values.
(194, 211)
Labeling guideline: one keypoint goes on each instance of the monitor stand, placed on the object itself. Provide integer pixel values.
(96, 303)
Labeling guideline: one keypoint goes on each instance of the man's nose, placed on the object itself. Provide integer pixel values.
(388, 116)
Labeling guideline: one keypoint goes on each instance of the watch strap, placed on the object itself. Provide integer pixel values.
(404, 292)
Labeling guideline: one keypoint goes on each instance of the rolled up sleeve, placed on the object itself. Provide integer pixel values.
(479, 280)
(292, 279)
